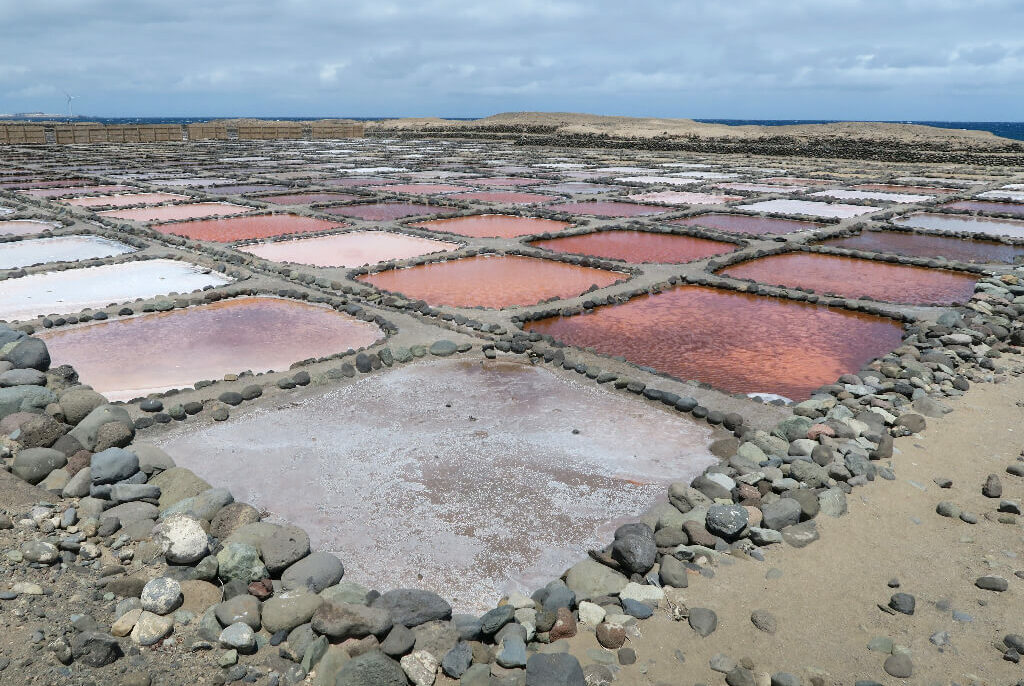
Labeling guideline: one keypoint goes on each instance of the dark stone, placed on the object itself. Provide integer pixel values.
(412, 607)
(554, 669)
(634, 547)
(30, 353)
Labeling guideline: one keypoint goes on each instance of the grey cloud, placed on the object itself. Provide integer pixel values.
(360, 57)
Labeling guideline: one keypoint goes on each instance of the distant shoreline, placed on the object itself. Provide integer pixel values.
(1005, 129)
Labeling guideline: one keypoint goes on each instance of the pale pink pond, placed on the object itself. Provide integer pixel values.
(988, 206)
(493, 225)
(683, 198)
(355, 182)
(856, 278)
(165, 213)
(492, 281)
(385, 211)
(350, 249)
(464, 477)
(203, 342)
(125, 199)
(307, 198)
(44, 193)
(24, 227)
(964, 224)
(228, 229)
(608, 208)
(505, 181)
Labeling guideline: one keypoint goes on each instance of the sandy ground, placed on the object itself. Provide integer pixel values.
(567, 123)
(825, 600)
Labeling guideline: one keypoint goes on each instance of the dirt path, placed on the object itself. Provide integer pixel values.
(825, 597)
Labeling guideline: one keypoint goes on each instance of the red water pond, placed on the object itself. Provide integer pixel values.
(506, 197)
(493, 225)
(737, 342)
(204, 342)
(598, 208)
(385, 211)
(856, 278)
(307, 198)
(742, 223)
(983, 206)
(124, 200)
(245, 228)
(922, 245)
(492, 281)
(169, 212)
(350, 249)
(638, 246)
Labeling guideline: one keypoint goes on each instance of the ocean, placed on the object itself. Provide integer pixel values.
(1006, 129)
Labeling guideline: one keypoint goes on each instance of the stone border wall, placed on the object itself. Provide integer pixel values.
(90, 132)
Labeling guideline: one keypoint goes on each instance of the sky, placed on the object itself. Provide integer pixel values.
(948, 60)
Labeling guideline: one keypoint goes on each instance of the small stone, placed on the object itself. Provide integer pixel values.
(993, 487)
(512, 653)
(764, 620)
(420, 667)
(903, 602)
(992, 583)
(611, 636)
(556, 669)
(238, 636)
(150, 628)
(899, 666)
(947, 509)
(161, 596)
(703, 620)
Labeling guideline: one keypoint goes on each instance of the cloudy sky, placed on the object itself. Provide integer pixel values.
(807, 59)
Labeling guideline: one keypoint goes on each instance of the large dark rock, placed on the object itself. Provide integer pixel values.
(634, 547)
(94, 648)
(30, 353)
(412, 607)
(374, 668)
(113, 465)
(34, 464)
(554, 669)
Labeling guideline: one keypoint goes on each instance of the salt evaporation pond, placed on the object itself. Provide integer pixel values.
(58, 249)
(505, 197)
(745, 223)
(505, 181)
(984, 206)
(737, 342)
(24, 227)
(350, 249)
(165, 213)
(925, 245)
(43, 193)
(203, 342)
(851, 277)
(491, 281)
(72, 290)
(608, 208)
(307, 198)
(579, 188)
(810, 208)
(242, 189)
(843, 194)
(248, 228)
(386, 211)
(422, 188)
(963, 224)
(684, 198)
(125, 199)
(638, 246)
(493, 225)
(890, 188)
(462, 477)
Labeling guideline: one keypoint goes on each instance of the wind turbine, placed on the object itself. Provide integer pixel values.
(70, 98)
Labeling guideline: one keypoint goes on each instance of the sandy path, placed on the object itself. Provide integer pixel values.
(826, 599)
